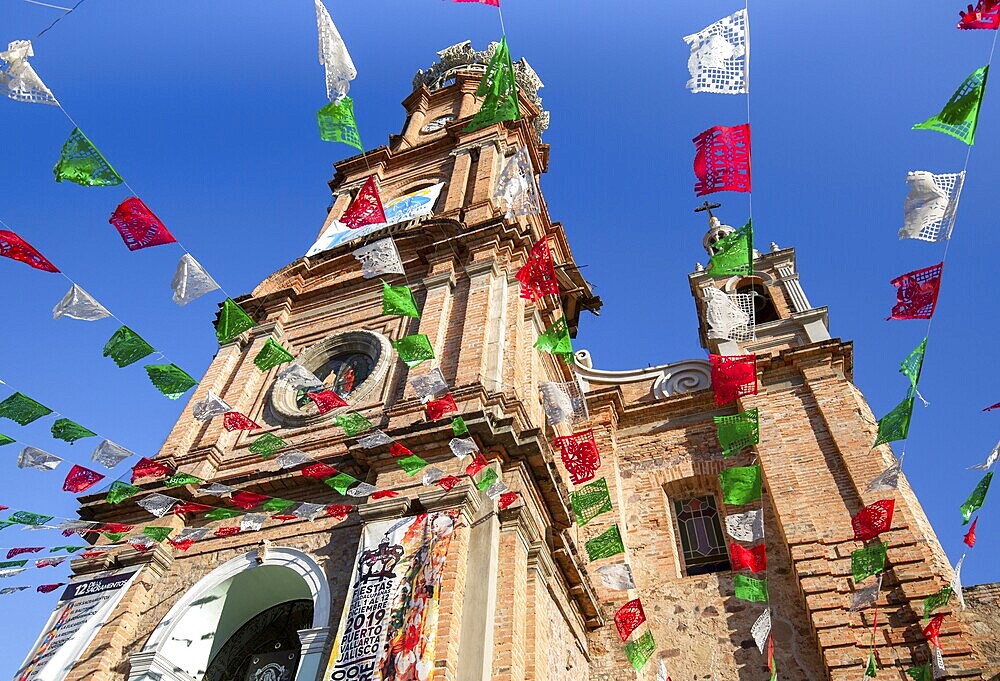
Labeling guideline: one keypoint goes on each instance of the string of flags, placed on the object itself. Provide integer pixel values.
(24, 410)
(336, 119)
(125, 346)
(82, 163)
(483, 476)
(565, 408)
(719, 63)
(929, 214)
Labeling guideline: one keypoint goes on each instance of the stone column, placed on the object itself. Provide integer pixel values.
(469, 105)
(490, 161)
(341, 200)
(417, 118)
(187, 432)
(467, 596)
(815, 449)
(107, 651)
(243, 390)
(540, 570)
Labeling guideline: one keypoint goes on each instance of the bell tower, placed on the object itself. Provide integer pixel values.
(515, 598)
(776, 314)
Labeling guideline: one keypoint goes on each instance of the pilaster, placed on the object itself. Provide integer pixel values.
(106, 652)
(473, 348)
(311, 656)
(458, 186)
(510, 637)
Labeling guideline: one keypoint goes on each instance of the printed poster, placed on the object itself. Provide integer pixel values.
(389, 625)
(82, 608)
(407, 207)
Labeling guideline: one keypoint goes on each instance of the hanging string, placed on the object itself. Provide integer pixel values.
(128, 186)
(66, 13)
(157, 353)
(947, 244)
(57, 414)
(503, 31)
(944, 258)
(133, 192)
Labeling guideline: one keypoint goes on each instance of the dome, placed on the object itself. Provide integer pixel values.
(716, 230)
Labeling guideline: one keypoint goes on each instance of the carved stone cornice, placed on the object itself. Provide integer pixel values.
(518, 519)
(150, 665)
(157, 561)
(435, 280)
(690, 375)
(463, 57)
(833, 353)
(482, 267)
(568, 560)
(383, 509)
(540, 560)
(493, 140)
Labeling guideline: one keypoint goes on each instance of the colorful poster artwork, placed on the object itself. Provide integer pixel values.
(388, 629)
(407, 207)
(82, 609)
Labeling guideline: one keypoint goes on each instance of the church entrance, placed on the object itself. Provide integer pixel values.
(266, 648)
(245, 627)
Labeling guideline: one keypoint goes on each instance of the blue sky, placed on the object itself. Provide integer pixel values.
(208, 110)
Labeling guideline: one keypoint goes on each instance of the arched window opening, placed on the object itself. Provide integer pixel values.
(764, 310)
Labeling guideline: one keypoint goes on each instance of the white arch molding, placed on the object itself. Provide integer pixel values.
(152, 662)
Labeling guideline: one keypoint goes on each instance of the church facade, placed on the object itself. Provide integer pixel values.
(516, 595)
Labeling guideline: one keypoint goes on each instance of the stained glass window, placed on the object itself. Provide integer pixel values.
(342, 373)
(702, 540)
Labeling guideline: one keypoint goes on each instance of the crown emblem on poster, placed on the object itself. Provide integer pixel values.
(379, 563)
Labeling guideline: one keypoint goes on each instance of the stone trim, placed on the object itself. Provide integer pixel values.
(150, 665)
(689, 375)
(282, 400)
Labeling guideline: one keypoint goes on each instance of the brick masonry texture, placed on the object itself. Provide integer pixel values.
(517, 584)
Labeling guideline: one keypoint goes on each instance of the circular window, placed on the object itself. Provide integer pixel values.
(351, 364)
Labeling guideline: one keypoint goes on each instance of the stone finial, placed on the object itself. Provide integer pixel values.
(262, 548)
(775, 247)
(698, 267)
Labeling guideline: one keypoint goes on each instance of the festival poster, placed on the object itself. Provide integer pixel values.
(82, 608)
(389, 625)
(407, 207)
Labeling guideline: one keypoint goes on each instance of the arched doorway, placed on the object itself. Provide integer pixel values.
(267, 647)
(260, 609)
